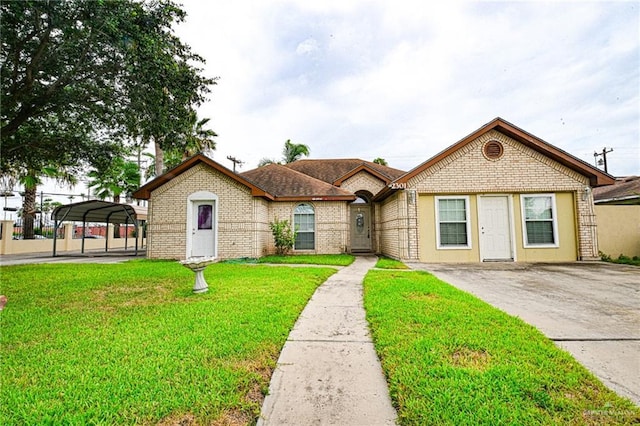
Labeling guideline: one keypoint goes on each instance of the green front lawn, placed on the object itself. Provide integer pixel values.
(310, 259)
(130, 343)
(388, 263)
(452, 359)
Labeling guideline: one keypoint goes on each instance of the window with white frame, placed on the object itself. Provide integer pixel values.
(452, 222)
(540, 223)
(304, 224)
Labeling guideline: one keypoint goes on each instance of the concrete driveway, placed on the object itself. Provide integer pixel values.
(590, 309)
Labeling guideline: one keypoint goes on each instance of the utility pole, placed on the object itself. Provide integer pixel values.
(603, 160)
(235, 161)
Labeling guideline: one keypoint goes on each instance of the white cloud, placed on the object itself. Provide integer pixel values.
(310, 45)
(403, 80)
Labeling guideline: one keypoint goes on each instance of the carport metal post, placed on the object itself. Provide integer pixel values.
(84, 231)
(56, 225)
(133, 221)
(106, 243)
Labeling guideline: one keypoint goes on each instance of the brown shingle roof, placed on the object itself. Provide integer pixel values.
(333, 170)
(623, 190)
(287, 184)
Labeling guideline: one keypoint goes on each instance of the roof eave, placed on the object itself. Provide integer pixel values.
(617, 199)
(144, 192)
(316, 198)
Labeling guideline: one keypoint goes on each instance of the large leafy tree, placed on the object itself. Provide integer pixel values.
(162, 105)
(81, 77)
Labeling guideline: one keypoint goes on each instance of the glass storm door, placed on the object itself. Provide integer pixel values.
(360, 228)
(203, 229)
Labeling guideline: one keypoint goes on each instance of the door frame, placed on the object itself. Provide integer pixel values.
(352, 209)
(201, 196)
(510, 218)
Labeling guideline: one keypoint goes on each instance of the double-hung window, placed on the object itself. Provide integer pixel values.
(452, 222)
(304, 224)
(540, 223)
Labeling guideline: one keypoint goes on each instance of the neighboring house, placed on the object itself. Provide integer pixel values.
(618, 211)
(499, 194)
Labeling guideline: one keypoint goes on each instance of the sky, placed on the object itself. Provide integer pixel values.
(405, 80)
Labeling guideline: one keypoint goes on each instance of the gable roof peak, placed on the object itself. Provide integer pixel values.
(596, 176)
(144, 192)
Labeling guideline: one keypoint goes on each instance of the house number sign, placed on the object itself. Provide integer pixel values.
(398, 185)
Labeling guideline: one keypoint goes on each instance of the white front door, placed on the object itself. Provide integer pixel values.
(495, 228)
(203, 229)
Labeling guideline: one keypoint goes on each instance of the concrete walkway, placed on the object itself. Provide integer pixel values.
(328, 372)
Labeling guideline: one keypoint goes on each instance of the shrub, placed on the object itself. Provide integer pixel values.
(283, 235)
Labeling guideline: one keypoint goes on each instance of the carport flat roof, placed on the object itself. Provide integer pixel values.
(99, 211)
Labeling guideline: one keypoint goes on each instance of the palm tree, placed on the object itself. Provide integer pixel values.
(293, 151)
(266, 161)
(30, 179)
(171, 159)
(120, 177)
(199, 139)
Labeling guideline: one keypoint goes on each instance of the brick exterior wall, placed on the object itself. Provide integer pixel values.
(243, 220)
(363, 181)
(332, 229)
(519, 170)
(360, 182)
(399, 226)
(389, 227)
(167, 220)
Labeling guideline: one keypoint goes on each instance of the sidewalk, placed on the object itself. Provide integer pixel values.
(328, 372)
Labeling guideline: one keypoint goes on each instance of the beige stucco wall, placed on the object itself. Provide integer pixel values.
(565, 252)
(427, 234)
(520, 170)
(619, 229)
(167, 221)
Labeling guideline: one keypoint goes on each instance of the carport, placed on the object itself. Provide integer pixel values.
(98, 211)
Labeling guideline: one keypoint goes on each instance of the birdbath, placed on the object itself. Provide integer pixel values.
(197, 265)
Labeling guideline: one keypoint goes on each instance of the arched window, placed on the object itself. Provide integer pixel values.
(304, 219)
